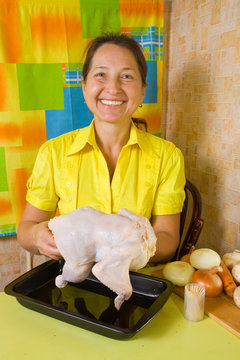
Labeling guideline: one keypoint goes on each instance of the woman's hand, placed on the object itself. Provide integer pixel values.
(167, 230)
(34, 235)
(44, 241)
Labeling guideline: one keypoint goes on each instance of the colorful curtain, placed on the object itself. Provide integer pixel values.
(41, 47)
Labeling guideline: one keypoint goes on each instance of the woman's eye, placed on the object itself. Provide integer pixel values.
(99, 75)
(127, 76)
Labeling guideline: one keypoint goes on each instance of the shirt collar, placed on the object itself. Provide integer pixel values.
(87, 135)
(84, 136)
(141, 138)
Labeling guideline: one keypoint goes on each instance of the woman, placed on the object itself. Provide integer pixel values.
(110, 164)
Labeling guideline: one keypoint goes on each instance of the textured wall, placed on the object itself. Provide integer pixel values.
(202, 108)
(13, 260)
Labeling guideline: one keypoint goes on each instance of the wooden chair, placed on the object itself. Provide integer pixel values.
(191, 223)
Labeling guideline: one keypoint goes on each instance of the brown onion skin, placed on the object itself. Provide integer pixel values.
(186, 257)
(210, 280)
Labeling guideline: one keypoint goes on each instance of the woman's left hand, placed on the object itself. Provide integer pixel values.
(166, 228)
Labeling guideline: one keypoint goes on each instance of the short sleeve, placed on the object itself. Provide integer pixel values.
(170, 194)
(41, 191)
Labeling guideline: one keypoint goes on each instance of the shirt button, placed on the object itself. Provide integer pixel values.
(148, 166)
(68, 184)
(69, 198)
(70, 165)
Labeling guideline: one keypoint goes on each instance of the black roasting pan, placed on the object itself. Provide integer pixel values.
(89, 304)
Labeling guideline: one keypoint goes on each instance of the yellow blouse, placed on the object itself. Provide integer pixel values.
(70, 172)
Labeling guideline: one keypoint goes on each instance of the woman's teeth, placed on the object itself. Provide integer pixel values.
(110, 102)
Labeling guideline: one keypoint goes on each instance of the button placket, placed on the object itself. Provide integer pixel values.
(70, 181)
(119, 183)
(116, 188)
(105, 186)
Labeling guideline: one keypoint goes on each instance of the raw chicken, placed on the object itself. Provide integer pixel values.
(110, 245)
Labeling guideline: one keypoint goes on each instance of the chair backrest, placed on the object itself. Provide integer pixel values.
(191, 223)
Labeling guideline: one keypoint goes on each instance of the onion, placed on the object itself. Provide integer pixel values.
(178, 272)
(236, 273)
(210, 280)
(204, 258)
(230, 259)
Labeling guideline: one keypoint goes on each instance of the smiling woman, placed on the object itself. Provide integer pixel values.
(111, 164)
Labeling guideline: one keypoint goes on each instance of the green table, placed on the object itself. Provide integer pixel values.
(29, 335)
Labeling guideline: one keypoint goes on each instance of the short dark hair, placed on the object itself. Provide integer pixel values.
(120, 40)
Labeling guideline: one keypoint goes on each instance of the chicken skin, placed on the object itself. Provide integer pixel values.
(108, 244)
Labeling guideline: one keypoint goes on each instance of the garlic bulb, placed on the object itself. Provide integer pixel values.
(236, 296)
(230, 259)
(236, 273)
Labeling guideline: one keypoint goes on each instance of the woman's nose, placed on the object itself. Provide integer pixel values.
(113, 85)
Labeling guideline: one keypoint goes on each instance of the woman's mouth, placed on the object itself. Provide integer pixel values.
(111, 102)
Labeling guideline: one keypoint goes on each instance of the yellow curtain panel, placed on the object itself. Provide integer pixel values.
(41, 48)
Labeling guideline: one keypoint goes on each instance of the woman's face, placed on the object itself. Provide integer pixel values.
(113, 89)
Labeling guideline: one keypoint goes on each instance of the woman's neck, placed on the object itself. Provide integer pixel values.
(110, 139)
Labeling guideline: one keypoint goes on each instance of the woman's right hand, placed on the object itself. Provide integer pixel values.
(44, 241)
(34, 235)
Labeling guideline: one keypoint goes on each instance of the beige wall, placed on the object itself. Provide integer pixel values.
(201, 114)
(13, 260)
(202, 108)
